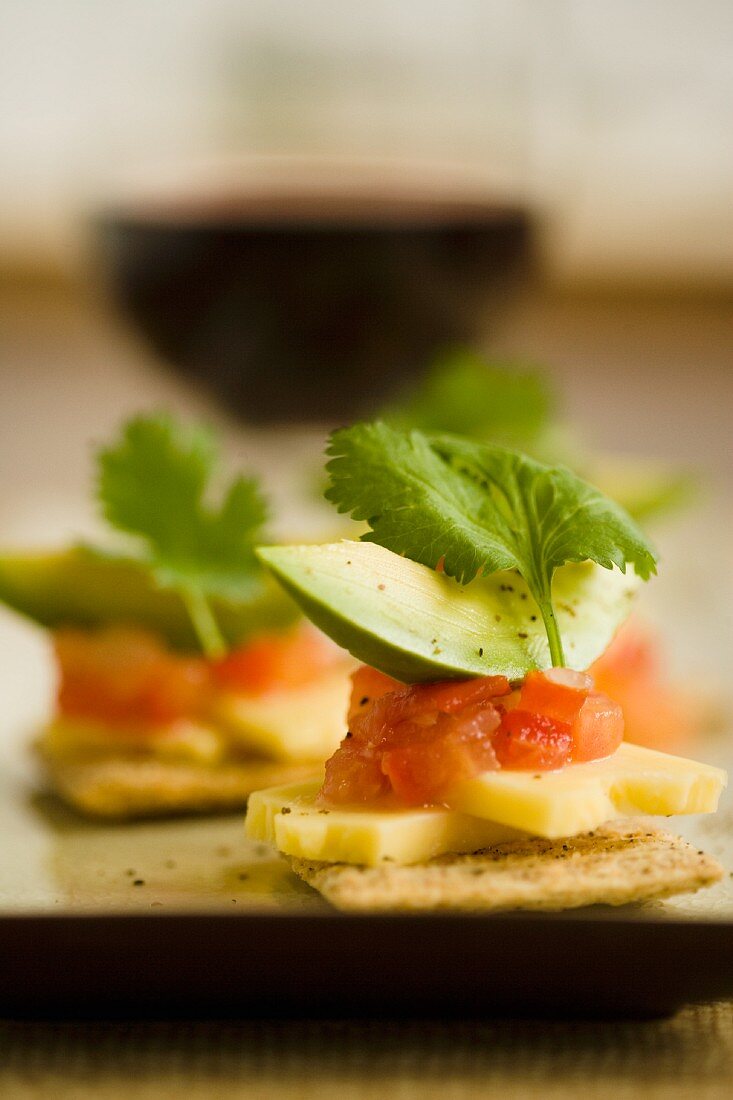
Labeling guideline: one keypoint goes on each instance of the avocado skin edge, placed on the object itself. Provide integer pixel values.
(394, 661)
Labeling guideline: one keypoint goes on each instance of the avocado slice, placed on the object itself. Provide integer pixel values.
(78, 587)
(418, 625)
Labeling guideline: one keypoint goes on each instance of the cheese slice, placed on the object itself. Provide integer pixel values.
(583, 796)
(70, 739)
(487, 810)
(290, 818)
(300, 724)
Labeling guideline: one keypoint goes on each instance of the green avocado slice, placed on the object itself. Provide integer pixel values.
(418, 625)
(78, 587)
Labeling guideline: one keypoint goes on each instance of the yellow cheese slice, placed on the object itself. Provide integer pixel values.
(494, 807)
(290, 818)
(73, 738)
(580, 797)
(299, 724)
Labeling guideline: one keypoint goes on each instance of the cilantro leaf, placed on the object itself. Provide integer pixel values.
(472, 508)
(465, 394)
(153, 484)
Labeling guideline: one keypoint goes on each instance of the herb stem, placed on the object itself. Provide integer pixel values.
(557, 656)
(204, 623)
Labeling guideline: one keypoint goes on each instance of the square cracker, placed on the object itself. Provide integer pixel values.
(127, 787)
(620, 862)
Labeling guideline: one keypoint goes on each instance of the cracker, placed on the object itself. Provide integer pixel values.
(620, 862)
(125, 787)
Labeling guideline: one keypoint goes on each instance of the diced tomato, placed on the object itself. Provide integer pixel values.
(354, 774)
(558, 693)
(657, 713)
(459, 747)
(273, 661)
(421, 738)
(565, 701)
(416, 742)
(598, 729)
(510, 701)
(526, 741)
(452, 697)
(127, 676)
(124, 675)
(634, 652)
(368, 684)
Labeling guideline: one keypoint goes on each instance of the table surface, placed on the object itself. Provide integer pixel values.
(649, 377)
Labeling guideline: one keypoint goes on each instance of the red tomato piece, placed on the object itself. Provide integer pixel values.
(418, 773)
(634, 653)
(418, 741)
(526, 741)
(353, 774)
(368, 685)
(410, 713)
(598, 729)
(460, 747)
(272, 661)
(125, 675)
(452, 697)
(422, 738)
(558, 693)
(657, 713)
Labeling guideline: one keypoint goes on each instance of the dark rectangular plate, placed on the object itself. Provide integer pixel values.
(330, 964)
(186, 918)
(336, 965)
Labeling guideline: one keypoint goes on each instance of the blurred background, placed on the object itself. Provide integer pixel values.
(613, 120)
(275, 213)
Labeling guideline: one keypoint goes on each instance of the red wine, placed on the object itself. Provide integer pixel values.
(299, 306)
